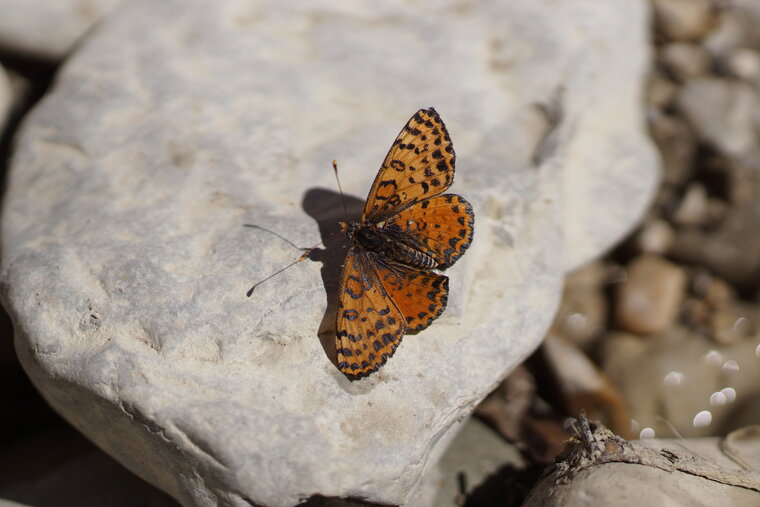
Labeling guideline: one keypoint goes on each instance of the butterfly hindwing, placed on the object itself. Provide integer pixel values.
(369, 326)
(442, 226)
(420, 295)
(420, 164)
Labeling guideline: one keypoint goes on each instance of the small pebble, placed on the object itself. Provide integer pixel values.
(684, 60)
(744, 63)
(721, 111)
(660, 91)
(655, 237)
(649, 300)
(678, 146)
(684, 20)
(692, 210)
(733, 321)
(728, 34)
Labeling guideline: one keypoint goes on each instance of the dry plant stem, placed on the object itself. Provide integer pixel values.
(601, 446)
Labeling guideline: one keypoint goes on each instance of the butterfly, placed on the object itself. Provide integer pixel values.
(408, 229)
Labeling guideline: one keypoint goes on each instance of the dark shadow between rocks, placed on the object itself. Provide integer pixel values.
(60, 468)
(507, 487)
(327, 501)
(325, 207)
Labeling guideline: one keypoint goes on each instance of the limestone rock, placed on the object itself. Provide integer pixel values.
(48, 29)
(177, 122)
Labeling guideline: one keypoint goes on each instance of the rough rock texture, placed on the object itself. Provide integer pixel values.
(47, 29)
(126, 274)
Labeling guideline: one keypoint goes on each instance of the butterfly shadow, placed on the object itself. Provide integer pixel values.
(325, 207)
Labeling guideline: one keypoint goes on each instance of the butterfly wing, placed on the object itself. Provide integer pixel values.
(368, 326)
(420, 295)
(420, 164)
(441, 227)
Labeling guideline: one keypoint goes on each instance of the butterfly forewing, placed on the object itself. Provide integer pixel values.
(442, 226)
(420, 164)
(369, 326)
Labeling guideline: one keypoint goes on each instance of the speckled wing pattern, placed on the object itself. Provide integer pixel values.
(382, 298)
(369, 324)
(442, 226)
(420, 164)
(421, 296)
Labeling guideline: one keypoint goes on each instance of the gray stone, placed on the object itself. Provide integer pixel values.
(730, 248)
(678, 146)
(48, 29)
(722, 113)
(126, 275)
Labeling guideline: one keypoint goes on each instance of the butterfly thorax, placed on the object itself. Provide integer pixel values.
(390, 244)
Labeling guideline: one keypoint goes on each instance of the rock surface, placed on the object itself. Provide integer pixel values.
(126, 275)
(48, 29)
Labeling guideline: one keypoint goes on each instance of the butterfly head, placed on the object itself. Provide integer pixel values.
(349, 228)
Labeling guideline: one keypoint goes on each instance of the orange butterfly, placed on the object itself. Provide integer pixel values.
(406, 230)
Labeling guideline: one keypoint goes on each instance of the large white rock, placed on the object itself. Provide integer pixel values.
(47, 29)
(125, 262)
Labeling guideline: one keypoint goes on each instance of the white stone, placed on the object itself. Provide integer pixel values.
(126, 273)
(48, 29)
(608, 160)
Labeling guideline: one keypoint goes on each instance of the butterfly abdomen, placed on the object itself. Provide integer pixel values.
(408, 256)
(392, 247)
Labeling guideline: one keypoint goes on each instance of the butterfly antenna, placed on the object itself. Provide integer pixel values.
(286, 240)
(342, 198)
(303, 257)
